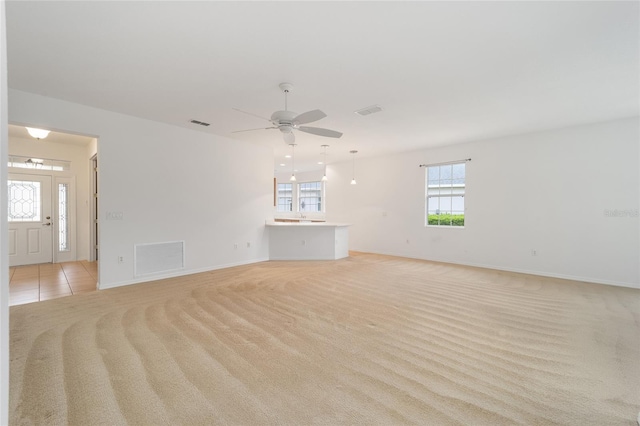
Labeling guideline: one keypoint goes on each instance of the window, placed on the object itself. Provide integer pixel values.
(310, 197)
(19, 162)
(285, 197)
(63, 217)
(301, 197)
(445, 195)
(24, 201)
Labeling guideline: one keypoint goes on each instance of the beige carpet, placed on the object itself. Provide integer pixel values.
(370, 340)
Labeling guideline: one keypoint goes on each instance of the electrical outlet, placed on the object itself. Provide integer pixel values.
(534, 252)
(120, 259)
(304, 242)
(248, 244)
(235, 246)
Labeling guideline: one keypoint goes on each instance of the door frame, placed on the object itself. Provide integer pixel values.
(93, 211)
(81, 150)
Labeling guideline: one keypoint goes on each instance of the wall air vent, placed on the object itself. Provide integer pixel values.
(202, 123)
(156, 258)
(369, 110)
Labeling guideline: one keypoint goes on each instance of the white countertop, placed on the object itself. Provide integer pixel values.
(309, 223)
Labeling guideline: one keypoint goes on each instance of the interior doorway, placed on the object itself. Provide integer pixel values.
(65, 218)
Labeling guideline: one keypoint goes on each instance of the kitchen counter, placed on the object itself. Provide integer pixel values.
(308, 240)
(304, 222)
(296, 219)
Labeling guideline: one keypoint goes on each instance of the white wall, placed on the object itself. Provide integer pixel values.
(4, 257)
(546, 191)
(170, 183)
(78, 156)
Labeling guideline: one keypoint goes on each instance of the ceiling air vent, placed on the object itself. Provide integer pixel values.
(369, 110)
(202, 123)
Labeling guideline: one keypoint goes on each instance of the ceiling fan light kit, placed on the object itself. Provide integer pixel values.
(287, 121)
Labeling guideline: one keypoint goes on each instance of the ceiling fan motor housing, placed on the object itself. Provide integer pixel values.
(286, 87)
(284, 120)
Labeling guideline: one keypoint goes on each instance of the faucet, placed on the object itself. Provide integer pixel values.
(302, 216)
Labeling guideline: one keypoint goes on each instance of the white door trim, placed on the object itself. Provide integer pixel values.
(93, 222)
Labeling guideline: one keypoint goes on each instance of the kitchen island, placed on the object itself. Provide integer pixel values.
(306, 240)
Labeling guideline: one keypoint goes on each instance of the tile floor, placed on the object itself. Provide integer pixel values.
(33, 283)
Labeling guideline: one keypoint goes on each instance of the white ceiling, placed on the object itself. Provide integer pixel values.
(443, 72)
(57, 137)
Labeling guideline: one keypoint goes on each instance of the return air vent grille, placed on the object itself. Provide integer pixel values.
(369, 110)
(201, 123)
(159, 258)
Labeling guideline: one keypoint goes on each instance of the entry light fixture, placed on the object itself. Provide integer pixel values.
(353, 180)
(38, 133)
(293, 163)
(324, 161)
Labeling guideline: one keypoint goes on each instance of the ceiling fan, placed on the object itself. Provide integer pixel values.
(287, 121)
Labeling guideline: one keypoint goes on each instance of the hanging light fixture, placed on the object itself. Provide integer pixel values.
(293, 163)
(353, 181)
(38, 133)
(324, 178)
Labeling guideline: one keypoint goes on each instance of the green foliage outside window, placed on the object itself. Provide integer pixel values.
(446, 219)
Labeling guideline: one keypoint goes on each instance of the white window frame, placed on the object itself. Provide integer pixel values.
(295, 198)
(21, 162)
(322, 197)
(69, 254)
(278, 197)
(449, 190)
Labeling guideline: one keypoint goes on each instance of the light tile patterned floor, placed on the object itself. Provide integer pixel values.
(33, 283)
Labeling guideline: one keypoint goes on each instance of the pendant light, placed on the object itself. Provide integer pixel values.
(293, 163)
(324, 178)
(353, 181)
(38, 133)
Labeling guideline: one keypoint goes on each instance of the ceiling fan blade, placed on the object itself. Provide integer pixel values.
(320, 131)
(251, 130)
(250, 113)
(309, 116)
(289, 137)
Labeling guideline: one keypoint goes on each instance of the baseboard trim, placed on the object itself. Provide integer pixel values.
(475, 265)
(181, 273)
(520, 271)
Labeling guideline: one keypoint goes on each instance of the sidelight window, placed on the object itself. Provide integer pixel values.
(63, 217)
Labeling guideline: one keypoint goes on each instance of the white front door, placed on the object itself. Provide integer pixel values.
(30, 221)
